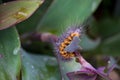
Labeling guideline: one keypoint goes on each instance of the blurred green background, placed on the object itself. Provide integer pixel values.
(36, 60)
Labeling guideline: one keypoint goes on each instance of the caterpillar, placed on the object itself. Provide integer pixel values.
(69, 43)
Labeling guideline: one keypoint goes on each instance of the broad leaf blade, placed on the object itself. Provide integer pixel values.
(111, 46)
(109, 31)
(67, 67)
(62, 14)
(9, 52)
(33, 21)
(36, 67)
(16, 11)
(88, 44)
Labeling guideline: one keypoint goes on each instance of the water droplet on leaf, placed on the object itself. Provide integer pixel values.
(32, 67)
(15, 51)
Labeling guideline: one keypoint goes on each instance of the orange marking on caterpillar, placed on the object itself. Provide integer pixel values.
(65, 43)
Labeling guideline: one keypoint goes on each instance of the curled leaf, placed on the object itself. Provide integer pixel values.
(16, 11)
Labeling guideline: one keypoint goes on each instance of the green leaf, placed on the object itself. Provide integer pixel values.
(111, 46)
(68, 66)
(9, 54)
(62, 14)
(88, 44)
(109, 30)
(16, 11)
(108, 27)
(36, 67)
(33, 21)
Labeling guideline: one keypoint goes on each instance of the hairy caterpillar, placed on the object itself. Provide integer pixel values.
(67, 44)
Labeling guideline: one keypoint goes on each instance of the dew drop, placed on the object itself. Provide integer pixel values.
(32, 67)
(15, 51)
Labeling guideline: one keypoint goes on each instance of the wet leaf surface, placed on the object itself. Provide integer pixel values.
(9, 54)
(37, 67)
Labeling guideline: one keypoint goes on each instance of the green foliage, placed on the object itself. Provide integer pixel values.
(85, 41)
(33, 21)
(53, 16)
(70, 66)
(63, 14)
(109, 30)
(9, 52)
(14, 12)
(60, 14)
(37, 67)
